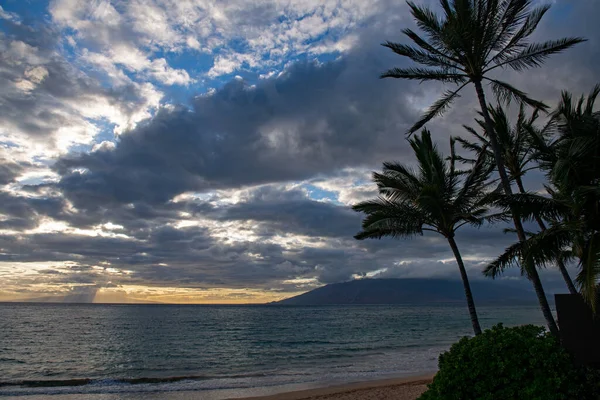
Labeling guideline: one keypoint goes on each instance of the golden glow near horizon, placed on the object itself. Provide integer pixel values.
(147, 294)
(170, 295)
(42, 281)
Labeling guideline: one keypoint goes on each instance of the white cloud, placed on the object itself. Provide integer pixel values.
(260, 34)
(9, 16)
(160, 70)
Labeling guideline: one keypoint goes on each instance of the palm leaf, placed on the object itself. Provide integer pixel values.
(510, 40)
(540, 249)
(530, 206)
(590, 269)
(423, 57)
(437, 108)
(423, 75)
(535, 54)
(506, 93)
(388, 218)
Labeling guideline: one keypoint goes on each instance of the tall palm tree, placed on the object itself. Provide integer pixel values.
(436, 197)
(569, 150)
(517, 152)
(466, 45)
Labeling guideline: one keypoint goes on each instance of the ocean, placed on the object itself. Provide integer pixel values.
(132, 351)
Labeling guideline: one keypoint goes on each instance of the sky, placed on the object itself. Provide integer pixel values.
(198, 151)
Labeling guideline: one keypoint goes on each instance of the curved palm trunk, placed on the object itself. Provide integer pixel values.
(561, 265)
(465, 280)
(531, 270)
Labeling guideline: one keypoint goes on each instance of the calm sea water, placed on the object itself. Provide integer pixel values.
(86, 349)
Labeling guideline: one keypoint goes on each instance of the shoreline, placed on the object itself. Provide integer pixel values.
(398, 388)
(403, 388)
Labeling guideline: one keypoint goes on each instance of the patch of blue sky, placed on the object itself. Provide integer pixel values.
(105, 134)
(253, 75)
(193, 61)
(7, 144)
(106, 130)
(196, 64)
(34, 180)
(562, 9)
(26, 9)
(318, 194)
(42, 160)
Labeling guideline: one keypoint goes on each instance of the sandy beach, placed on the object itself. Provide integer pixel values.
(396, 389)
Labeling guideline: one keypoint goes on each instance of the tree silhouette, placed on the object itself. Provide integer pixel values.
(466, 45)
(436, 197)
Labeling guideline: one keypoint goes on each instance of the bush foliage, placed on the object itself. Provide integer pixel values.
(522, 362)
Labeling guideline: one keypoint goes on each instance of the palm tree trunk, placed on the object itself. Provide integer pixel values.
(561, 265)
(465, 280)
(531, 270)
(566, 277)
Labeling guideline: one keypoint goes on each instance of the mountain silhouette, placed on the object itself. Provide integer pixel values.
(412, 291)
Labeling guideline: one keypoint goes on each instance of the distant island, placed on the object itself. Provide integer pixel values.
(411, 291)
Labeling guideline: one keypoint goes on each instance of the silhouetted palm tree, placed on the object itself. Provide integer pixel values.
(570, 153)
(436, 197)
(517, 152)
(471, 40)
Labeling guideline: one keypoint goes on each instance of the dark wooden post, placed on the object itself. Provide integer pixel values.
(579, 328)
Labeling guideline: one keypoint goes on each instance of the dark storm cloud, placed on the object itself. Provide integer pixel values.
(24, 212)
(314, 118)
(192, 257)
(292, 212)
(9, 171)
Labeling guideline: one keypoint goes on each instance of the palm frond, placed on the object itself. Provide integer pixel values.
(388, 218)
(476, 148)
(506, 93)
(429, 23)
(397, 182)
(539, 250)
(434, 194)
(510, 40)
(436, 50)
(590, 269)
(535, 54)
(508, 259)
(424, 75)
(431, 57)
(529, 206)
(437, 108)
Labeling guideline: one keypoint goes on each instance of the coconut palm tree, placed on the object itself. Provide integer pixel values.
(569, 150)
(471, 40)
(517, 152)
(435, 197)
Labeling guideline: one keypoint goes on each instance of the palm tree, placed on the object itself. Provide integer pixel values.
(569, 150)
(472, 40)
(436, 198)
(517, 152)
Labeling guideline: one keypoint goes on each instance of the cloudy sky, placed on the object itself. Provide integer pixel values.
(208, 151)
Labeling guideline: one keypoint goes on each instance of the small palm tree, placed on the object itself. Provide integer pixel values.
(435, 198)
(517, 152)
(466, 45)
(569, 150)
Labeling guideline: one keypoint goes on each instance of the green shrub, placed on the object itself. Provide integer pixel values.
(508, 364)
